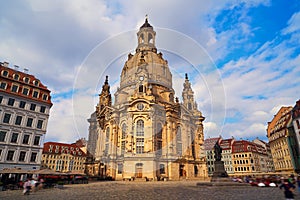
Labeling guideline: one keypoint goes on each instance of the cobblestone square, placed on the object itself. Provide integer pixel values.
(149, 190)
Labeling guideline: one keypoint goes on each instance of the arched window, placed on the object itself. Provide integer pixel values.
(178, 135)
(107, 141)
(141, 38)
(123, 136)
(178, 141)
(150, 38)
(124, 127)
(107, 134)
(159, 131)
(140, 128)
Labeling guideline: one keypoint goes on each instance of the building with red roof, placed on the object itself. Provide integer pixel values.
(226, 145)
(25, 104)
(248, 157)
(63, 157)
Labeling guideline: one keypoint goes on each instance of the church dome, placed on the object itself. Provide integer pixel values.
(146, 64)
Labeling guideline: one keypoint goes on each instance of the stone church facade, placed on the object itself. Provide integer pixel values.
(146, 132)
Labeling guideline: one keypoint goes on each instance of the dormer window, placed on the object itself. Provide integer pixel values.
(26, 79)
(16, 77)
(36, 82)
(5, 73)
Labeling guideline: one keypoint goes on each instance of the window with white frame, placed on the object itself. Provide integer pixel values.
(35, 94)
(25, 91)
(10, 155)
(140, 128)
(11, 102)
(18, 120)
(139, 145)
(14, 138)
(22, 156)
(2, 136)
(40, 124)
(6, 118)
(3, 85)
(14, 88)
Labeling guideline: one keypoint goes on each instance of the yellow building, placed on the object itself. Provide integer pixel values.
(147, 133)
(248, 158)
(280, 139)
(62, 157)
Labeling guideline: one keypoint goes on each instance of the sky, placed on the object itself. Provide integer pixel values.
(242, 56)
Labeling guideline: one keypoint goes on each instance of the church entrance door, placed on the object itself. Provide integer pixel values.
(139, 170)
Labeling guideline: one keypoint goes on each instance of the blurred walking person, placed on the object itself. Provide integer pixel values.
(288, 189)
(27, 187)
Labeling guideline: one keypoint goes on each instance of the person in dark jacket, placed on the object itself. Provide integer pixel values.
(288, 189)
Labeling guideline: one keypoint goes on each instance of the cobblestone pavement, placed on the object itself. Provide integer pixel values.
(149, 190)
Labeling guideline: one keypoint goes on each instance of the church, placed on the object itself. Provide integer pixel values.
(146, 133)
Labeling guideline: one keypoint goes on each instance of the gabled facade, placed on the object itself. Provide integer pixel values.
(269, 164)
(248, 157)
(226, 145)
(24, 111)
(63, 157)
(209, 144)
(281, 137)
(147, 132)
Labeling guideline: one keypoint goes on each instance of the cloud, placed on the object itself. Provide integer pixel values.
(71, 45)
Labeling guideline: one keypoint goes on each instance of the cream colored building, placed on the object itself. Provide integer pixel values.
(63, 157)
(282, 141)
(147, 132)
(25, 104)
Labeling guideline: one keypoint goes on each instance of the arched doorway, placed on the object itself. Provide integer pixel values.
(139, 170)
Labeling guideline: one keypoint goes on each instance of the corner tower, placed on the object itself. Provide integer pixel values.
(188, 95)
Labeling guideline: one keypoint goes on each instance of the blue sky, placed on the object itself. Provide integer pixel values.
(242, 56)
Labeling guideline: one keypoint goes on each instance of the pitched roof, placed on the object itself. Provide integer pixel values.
(12, 77)
(226, 144)
(210, 142)
(62, 148)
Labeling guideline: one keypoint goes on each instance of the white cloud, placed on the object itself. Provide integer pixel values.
(59, 46)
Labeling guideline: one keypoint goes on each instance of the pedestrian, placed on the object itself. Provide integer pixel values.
(41, 181)
(27, 187)
(298, 183)
(33, 184)
(288, 189)
(292, 179)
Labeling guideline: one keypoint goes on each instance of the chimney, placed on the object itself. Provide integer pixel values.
(16, 67)
(5, 64)
(26, 70)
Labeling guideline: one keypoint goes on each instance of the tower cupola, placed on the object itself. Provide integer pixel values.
(146, 38)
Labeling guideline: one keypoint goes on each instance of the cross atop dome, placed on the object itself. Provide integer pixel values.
(146, 24)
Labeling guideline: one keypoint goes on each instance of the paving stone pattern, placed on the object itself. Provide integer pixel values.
(149, 190)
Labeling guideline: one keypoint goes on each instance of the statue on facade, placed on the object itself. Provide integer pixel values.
(218, 152)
